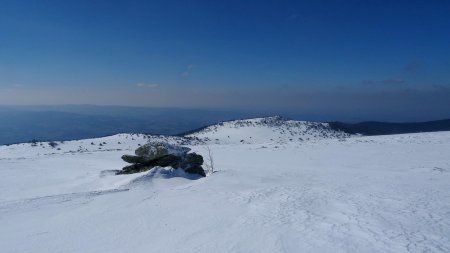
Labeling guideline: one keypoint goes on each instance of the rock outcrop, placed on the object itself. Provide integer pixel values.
(161, 154)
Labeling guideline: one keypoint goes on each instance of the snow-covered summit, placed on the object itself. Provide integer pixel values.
(264, 130)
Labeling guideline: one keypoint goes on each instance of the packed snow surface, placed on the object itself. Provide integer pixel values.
(328, 193)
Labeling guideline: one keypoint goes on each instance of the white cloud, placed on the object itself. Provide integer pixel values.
(147, 85)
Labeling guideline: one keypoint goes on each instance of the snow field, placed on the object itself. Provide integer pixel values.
(352, 194)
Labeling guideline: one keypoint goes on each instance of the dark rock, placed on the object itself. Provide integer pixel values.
(196, 169)
(159, 154)
(194, 158)
(134, 168)
(135, 159)
(168, 161)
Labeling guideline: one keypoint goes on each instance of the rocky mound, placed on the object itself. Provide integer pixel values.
(162, 154)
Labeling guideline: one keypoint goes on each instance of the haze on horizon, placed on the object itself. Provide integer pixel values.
(373, 59)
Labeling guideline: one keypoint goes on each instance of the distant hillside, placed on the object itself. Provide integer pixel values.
(382, 128)
(265, 130)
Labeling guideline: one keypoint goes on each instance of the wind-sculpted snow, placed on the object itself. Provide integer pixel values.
(266, 130)
(328, 194)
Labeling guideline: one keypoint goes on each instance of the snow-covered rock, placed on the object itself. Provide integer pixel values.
(157, 149)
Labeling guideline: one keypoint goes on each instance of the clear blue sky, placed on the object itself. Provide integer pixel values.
(306, 56)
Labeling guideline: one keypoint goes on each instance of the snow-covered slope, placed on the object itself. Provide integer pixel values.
(328, 194)
(266, 130)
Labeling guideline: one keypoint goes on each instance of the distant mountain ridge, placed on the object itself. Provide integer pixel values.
(62, 123)
(363, 128)
(384, 128)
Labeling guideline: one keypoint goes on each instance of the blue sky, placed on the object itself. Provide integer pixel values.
(306, 56)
